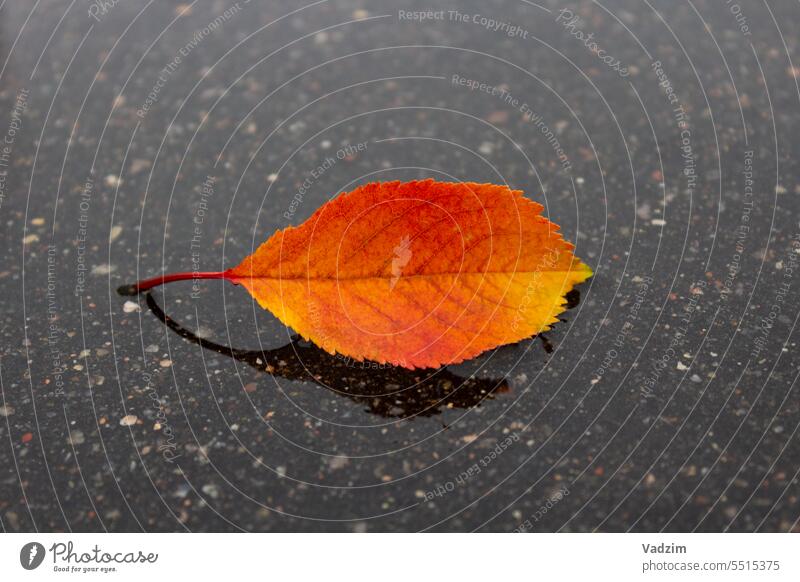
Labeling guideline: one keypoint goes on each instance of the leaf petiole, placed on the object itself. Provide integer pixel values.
(147, 284)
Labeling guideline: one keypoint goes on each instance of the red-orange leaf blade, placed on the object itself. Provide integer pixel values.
(417, 274)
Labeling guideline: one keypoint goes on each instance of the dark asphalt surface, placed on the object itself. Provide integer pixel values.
(149, 137)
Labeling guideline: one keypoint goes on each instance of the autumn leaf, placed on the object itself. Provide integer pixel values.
(416, 274)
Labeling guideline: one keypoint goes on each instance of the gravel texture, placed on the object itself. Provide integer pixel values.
(142, 138)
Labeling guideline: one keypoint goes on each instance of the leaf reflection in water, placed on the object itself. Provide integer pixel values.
(385, 390)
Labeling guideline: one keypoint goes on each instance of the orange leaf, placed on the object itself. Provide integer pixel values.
(416, 274)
